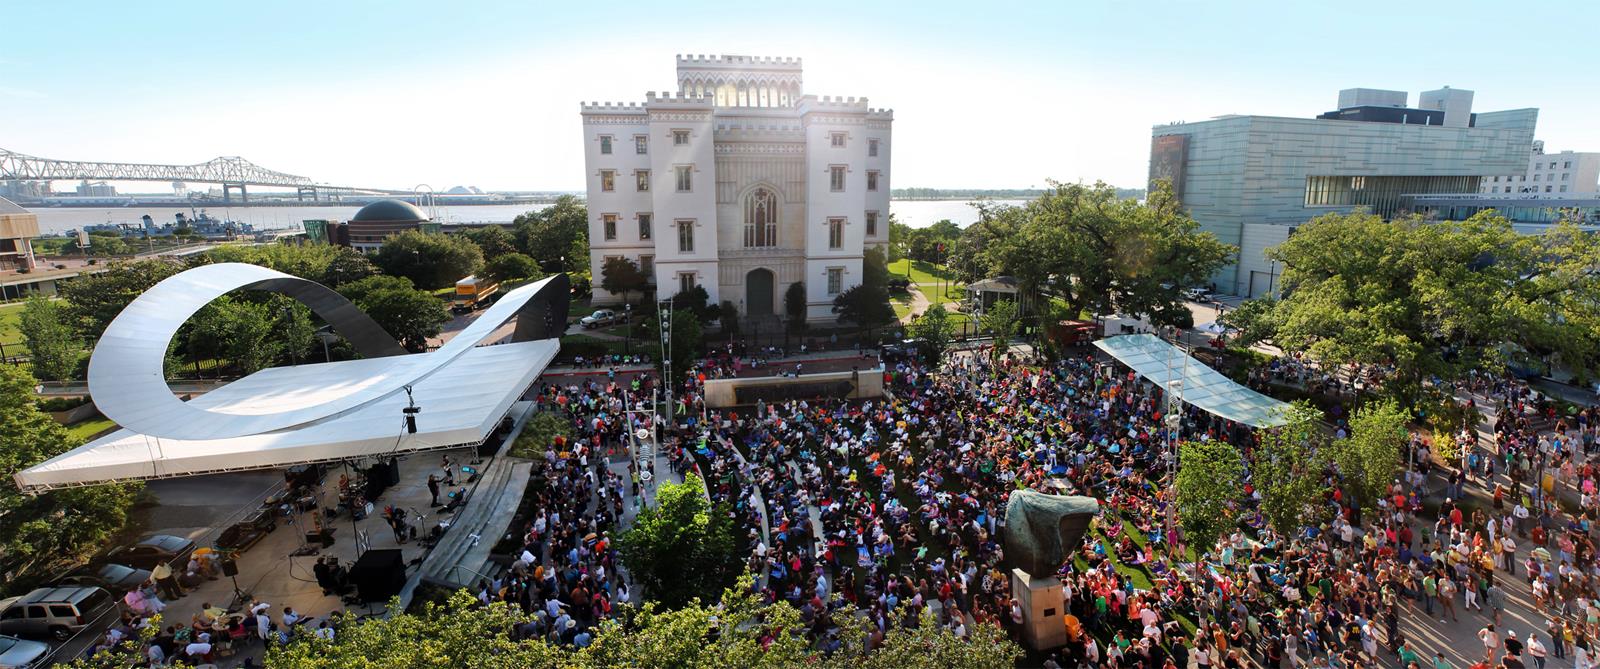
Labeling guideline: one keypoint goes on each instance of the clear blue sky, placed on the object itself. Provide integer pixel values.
(986, 94)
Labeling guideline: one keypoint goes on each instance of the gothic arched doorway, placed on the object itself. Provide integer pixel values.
(758, 293)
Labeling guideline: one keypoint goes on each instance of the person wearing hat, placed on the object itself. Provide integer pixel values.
(1513, 645)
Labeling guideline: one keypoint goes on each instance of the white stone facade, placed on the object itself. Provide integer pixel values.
(739, 182)
(1550, 174)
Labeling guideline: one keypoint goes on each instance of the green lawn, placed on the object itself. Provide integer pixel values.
(81, 432)
(937, 282)
(10, 314)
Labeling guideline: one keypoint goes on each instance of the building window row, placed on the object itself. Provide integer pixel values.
(608, 226)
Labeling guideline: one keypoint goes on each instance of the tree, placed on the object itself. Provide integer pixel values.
(1210, 474)
(53, 347)
(493, 240)
(1369, 458)
(935, 328)
(737, 630)
(620, 276)
(683, 547)
(513, 266)
(1098, 252)
(557, 237)
(39, 532)
(409, 315)
(94, 299)
(346, 266)
(1287, 468)
(430, 261)
(306, 261)
(1435, 298)
(698, 302)
(927, 645)
(865, 305)
(794, 306)
(1001, 318)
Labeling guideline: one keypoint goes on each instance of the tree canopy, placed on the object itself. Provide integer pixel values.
(54, 349)
(430, 261)
(1433, 298)
(621, 276)
(557, 237)
(682, 547)
(1369, 458)
(513, 266)
(95, 299)
(1287, 467)
(1210, 474)
(934, 327)
(1097, 251)
(39, 532)
(493, 240)
(1001, 319)
(737, 630)
(409, 315)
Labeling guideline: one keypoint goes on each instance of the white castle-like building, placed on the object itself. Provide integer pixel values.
(739, 182)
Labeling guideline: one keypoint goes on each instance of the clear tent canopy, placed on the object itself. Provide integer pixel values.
(1194, 382)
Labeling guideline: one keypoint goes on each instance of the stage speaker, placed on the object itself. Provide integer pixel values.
(378, 575)
(229, 567)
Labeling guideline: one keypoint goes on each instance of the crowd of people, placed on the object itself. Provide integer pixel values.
(894, 507)
(902, 500)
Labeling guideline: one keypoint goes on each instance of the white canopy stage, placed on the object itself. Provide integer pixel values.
(1165, 365)
(306, 413)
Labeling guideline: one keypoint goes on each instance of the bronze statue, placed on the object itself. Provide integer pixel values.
(1041, 529)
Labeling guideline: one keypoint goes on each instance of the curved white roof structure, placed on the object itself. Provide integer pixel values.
(127, 375)
(305, 413)
(1166, 365)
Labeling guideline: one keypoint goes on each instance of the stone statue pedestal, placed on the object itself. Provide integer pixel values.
(1043, 609)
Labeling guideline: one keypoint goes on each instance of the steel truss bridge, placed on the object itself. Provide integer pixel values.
(230, 171)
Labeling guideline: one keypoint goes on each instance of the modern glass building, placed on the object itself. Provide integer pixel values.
(1251, 179)
(1527, 212)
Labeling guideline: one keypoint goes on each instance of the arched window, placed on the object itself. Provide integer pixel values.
(760, 219)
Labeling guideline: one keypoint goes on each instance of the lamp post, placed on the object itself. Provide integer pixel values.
(627, 343)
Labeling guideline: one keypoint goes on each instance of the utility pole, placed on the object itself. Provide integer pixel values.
(664, 314)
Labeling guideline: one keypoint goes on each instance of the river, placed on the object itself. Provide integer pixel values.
(915, 213)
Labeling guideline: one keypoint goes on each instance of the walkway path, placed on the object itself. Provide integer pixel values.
(919, 304)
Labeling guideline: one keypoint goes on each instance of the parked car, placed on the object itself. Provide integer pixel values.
(600, 318)
(117, 578)
(54, 613)
(1197, 294)
(21, 654)
(909, 349)
(153, 550)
